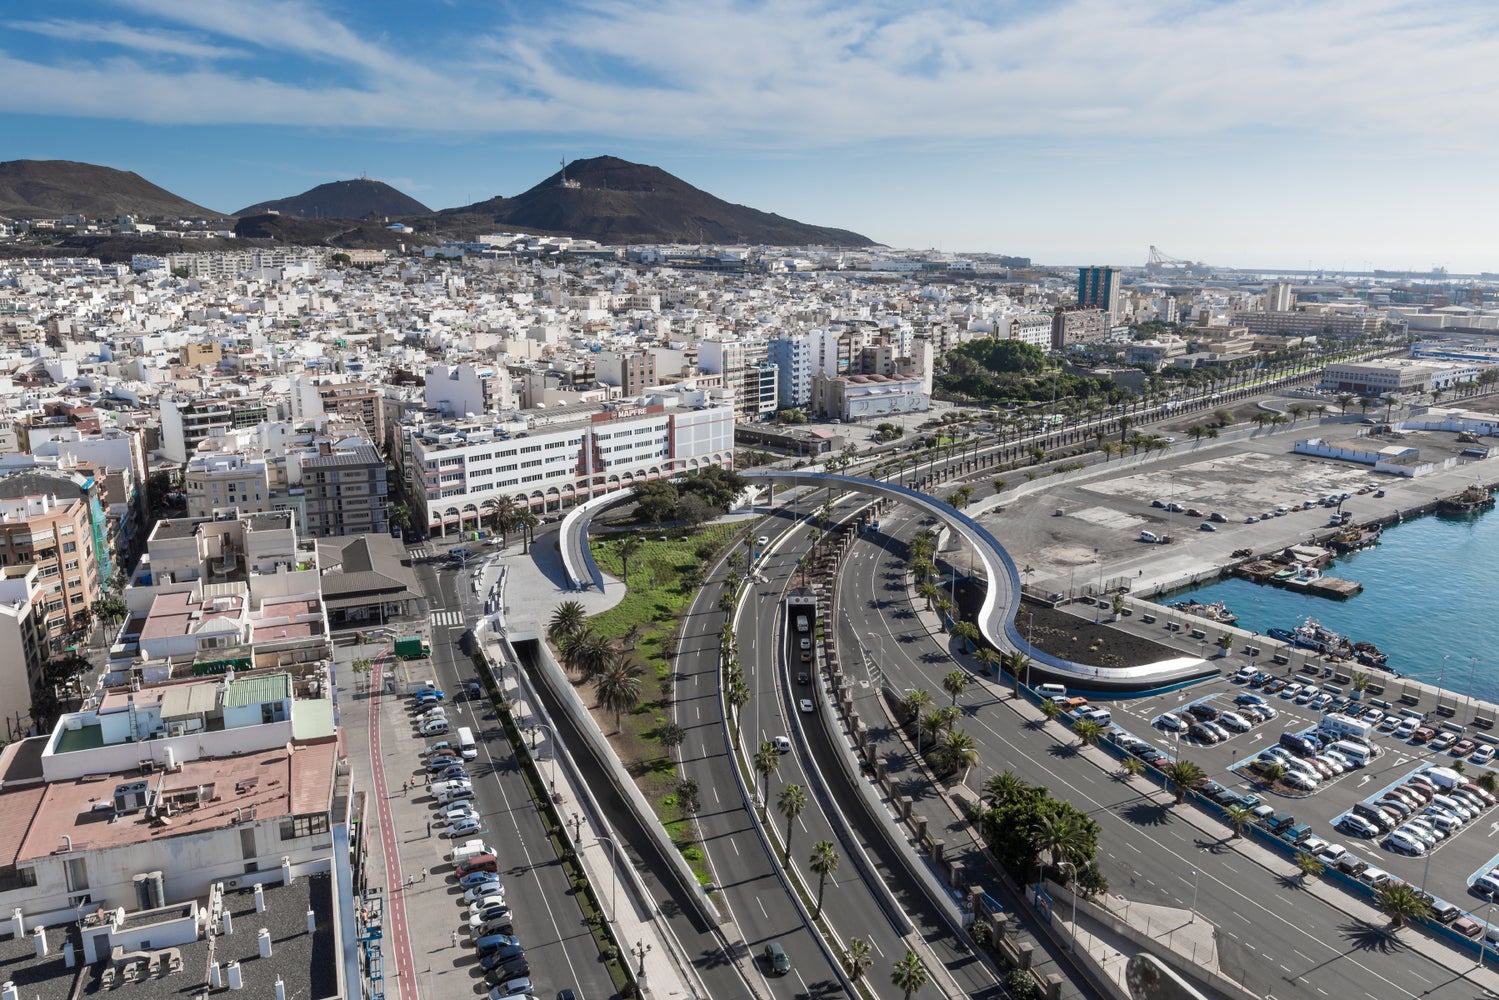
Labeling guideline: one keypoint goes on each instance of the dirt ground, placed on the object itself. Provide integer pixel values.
(1078, 639)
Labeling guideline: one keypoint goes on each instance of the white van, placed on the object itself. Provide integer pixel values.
(1358, 754)
(1102, 716)
(467, 749)
(1148, 536)
(1051, 690)
(434, 727)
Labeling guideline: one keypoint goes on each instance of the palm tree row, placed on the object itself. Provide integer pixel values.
(592, 657)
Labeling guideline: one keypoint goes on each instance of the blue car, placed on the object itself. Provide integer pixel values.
(477, 878)
(431, 696)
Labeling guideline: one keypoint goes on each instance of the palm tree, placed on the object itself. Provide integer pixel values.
(932, 725)
(1401, 902)
(1184, 776)
(767, 760)
(909, 974)
(792, 800)
(987, 658)
(619, 689)
(955, 683)
(928, 591)
(591, 654)
(1124, 425)
(959, 750)
(1238, 817)
(1343, 400)
(399, 515)
(499, 512)
(1051, 710)
(1272, 773)
(627, 547)
(1003, 787)
(916, 701)
(968, 632)
(1087, 731)
(944, 612)
(568, 619)
(823, 862)
(1133, 767)
(1016, 663)
(1306, 866)
(858, 960)
(739, 696)
(526, 520)
(1062, 835)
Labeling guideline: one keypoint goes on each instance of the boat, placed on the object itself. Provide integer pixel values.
(1369, 654)
(1215, 612)
(1310, 634)
(1475, 498)
(1282, 575)
(1303, 576)
(1352, 538)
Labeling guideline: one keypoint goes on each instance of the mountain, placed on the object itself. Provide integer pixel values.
(49, 188)
(348, 234)
(614, 201)
(358, 199)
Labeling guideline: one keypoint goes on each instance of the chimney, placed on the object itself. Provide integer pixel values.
(259, 898)
(228, 922)
(39, 935)
(311, 920)
(236, 980)
(264, 940)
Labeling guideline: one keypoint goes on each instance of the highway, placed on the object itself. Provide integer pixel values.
(1275, 939)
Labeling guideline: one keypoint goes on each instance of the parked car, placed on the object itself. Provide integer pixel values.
(473, 879)
(465, 827)
(1169, 722)
(1443, 740)
(1235, 722)
(1358, 826)
(1483, 754)
(1201, 733)
(1203, 711)
(1422, 734)
(485, 890)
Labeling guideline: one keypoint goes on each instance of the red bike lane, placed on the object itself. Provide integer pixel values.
(390, 847)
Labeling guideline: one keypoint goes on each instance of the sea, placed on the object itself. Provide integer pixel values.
(1427, 585)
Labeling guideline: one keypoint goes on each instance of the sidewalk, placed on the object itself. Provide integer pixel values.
(539, 576)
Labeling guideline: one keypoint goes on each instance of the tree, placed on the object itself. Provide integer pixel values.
(999, 485)
(399, 516)
(1087, 731)
(1238, 817)
(362, 666)
(958, 751)
(657, 501)
(1051, 710)
(1132, 767)
(687, 796)
(932, 725)
(909, 975)
(915, 701)
(739, 696)
(590, 654)
(823, 862)
(1003, 787)
(1308, 866)
(944, 612)
(955, 683)
(1196, 432)
(671, 736)
(499, 514)
(627, 547)
(858, 959)
(1343, 399)
(1063, 835)
(1273, 773)
(968, 632)
(1184, 776)
(767, 760)
(791, 802)
(1125, 422)
(1225, 643)
(1401, 902)
(526, 520)
(987, 658)
(568, 619)
(619, 689)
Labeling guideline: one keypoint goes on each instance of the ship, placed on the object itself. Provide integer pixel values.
(1312, 635)
(1469, 501)
(1353, 538)
(1215, 612)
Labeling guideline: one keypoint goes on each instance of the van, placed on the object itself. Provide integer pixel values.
(467, 748)
(1149, 536)
(469, 850)
(1102, 716)
(435, 727)
(1051, 690)
(1357, 754)
(1342, 725)
(1444, 912)
(1298, 744)
(1296, 833)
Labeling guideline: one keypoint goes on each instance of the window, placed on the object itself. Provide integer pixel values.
(75, 874)
(70, 546)
(304, 826)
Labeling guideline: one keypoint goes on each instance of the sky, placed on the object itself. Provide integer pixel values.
(1339, 134)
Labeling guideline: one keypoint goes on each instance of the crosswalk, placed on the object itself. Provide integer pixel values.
(452, 619)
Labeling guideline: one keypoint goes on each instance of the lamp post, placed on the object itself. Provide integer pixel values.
(1193, 918)
(1072, 940)
(641, 950)
(1488, 926)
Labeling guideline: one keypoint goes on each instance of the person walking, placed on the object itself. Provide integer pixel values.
(453, 940)
(424, 874)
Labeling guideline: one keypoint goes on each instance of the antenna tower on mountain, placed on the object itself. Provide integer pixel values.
(570, 185)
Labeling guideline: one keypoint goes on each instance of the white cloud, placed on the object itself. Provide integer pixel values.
(781, 74)
(127, 37)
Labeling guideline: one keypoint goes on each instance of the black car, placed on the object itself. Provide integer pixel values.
(1203, 711)
(516, 968)
(1201, 733)
(500, 956)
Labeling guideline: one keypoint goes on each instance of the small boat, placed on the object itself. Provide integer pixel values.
(1282, 635)
(1216, 612)
(1369, 654)
(1310, 634)
(1303, 576)
(1473, 499)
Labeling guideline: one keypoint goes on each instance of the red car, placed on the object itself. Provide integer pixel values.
(1462, 748)
(1423, 734)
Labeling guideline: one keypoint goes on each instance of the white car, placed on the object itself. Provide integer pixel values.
(806, 704)
(485, 890)
(452, 814)
(1170, 723)
(1296, 779)
(763, 540)
(511, 987)
(782, 744)
(1234, 721)
(487, 902)
(464, 827)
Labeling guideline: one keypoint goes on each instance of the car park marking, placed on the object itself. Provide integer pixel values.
(1493, 828)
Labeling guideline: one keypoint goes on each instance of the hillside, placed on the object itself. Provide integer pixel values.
(50, 188)
(615, 201)
(356, 199)
(347, 234)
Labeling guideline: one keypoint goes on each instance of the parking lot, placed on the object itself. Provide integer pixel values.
(1451, 860)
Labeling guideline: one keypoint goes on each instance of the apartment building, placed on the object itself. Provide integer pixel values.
(545, 459)
(1028, 328)
(1074, 327)
(187, 423)
(220, 483)
(632, 372)
(1098, 288)
(792, 356)
(344, 489)
(55, 536)
(358, 402)
(1339, 325)
(24, 648)
(862, 397)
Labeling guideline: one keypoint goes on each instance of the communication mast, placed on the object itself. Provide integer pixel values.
(565, 183)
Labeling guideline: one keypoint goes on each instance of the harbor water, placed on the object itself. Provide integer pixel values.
(1425, 602)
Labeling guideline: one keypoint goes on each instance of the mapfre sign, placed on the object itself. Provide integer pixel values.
(626, 412)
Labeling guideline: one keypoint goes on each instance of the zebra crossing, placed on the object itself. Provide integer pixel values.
(451, 619)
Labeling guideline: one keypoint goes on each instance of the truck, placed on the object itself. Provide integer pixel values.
(1445, 777)
(803, 623)
(412, 647)
(1342, 725)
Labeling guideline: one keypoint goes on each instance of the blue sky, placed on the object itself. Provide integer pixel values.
(1330, 133)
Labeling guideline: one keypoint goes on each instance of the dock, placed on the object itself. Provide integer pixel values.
(1266, 570)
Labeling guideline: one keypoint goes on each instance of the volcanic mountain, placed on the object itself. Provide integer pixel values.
(49, 188)
(356, 199)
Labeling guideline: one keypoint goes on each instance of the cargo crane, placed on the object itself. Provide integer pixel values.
(1159, 263)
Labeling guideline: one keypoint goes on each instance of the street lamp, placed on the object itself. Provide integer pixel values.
(1072, 941)
(641, 950)
(1193, 918)
(1488, 926)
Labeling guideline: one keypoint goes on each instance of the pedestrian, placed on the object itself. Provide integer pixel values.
(453, 940)
(424, 874)
(429, 828)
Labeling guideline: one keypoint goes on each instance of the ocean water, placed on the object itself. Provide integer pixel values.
(1430, 601)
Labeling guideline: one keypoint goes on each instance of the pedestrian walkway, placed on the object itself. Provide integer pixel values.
(446, 619)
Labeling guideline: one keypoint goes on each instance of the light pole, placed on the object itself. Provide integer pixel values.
(1488, 926)
(552, 756)
(641, 950)
(1072, 940)
(1193, 918)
